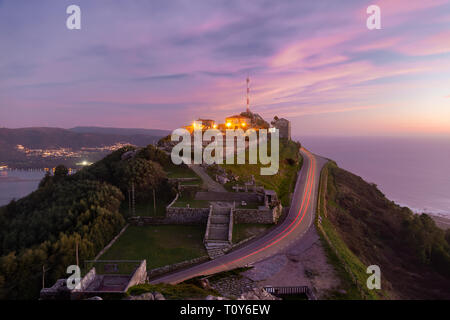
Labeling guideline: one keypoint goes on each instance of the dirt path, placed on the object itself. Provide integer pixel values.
(209, 183)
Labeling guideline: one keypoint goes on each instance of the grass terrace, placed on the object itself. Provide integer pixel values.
(244, 231)
(283, 182)
(187, 198)
(181, 171)
(159, 245)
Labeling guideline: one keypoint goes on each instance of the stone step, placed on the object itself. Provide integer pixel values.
(219, 226)
(218, 234)
(220, 219)
(216, 244)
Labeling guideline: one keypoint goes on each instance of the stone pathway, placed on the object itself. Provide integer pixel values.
(210, 183)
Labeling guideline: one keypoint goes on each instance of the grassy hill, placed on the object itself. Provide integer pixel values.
(365, 228)
(283, 182)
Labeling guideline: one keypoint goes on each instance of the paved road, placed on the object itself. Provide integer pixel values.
(296, 224)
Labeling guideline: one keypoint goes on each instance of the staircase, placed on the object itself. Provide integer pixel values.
(218, 232)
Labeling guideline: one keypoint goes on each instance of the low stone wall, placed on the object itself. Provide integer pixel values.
(175, 180)
(87, 280)
(58, 291)
(172, 267)
(139, 276)
(177, 215)
(208, 223)
(188, 187)
(111, 242)
(147, 221)
(230, 227)
(267, 216)
(174, 215)
(229, 196)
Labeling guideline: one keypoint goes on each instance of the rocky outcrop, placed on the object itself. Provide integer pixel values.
(257, 294)
(148, 296)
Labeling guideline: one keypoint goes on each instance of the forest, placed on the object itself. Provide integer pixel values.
(39, 233)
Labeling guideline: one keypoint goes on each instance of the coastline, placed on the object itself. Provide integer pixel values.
(441, 222)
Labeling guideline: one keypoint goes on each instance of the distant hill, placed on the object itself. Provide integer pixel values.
(37, 137)
(122, 131)
(54, 138)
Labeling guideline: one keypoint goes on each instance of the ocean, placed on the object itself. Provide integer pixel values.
(15, 184)
(413, 172)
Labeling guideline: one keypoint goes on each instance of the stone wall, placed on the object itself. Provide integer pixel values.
(229, 196)
(87, 280)
(230, 227)
(267, 216)
(174, 215)
(175, 180)
(139, 276)
(177, 215)
(188, 187)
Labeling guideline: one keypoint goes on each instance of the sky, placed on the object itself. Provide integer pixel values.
(161, 64)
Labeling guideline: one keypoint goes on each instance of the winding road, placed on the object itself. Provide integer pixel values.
(290, 231)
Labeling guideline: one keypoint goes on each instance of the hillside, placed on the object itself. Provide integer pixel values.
(42, 229)
(368, 229)
(282, 182)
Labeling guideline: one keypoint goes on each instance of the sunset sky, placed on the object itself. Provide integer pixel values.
(162, 64)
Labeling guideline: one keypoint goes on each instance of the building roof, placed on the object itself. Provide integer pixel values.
(238, 116)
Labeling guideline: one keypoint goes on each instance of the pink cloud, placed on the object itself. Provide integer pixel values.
(401, 7)
(436, 44)
(297, 52)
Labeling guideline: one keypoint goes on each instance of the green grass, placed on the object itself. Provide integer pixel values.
(174, 171)
(183, 201)
(182, 291)
(159, 245)
(284, 181)
(146, 208)
(196, 182)
(244, 231)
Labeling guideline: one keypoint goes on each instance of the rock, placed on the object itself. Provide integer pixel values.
(158, 296)
(144, 296)
(205, 284)
(210, 297)
(95, 298)
(257, 294)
